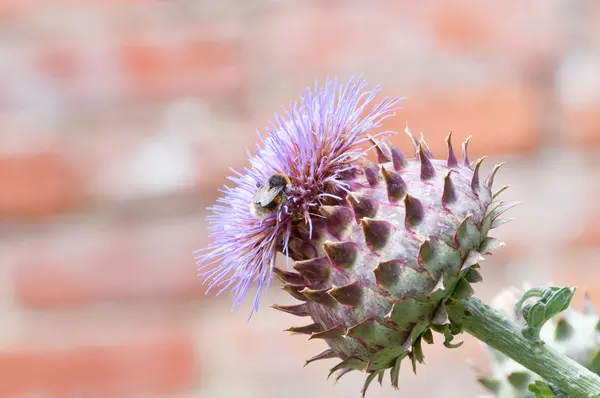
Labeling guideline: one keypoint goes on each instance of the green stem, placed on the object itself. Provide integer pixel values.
(487, 325)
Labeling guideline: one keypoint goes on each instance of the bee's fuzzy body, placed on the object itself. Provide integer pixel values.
(269, 196)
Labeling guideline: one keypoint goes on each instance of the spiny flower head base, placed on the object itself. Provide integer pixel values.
(314, 144)
(384, 261)
(379, 248)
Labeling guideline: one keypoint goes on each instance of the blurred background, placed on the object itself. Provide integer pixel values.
(119, 121)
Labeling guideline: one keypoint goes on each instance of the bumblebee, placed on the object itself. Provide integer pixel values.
(269, 196)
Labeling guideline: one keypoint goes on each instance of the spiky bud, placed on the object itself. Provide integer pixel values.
(378, 247)
(573, 333)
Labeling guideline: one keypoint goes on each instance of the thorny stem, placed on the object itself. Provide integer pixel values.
(487, 325)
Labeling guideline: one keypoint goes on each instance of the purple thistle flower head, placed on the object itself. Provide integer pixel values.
(316, 141)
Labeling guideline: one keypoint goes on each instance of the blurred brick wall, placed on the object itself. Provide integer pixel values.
(119, 120)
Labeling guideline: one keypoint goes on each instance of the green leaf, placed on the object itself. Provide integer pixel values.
(490, 384)
(544, 390)
(418, 350)
(385, 358)
(441, 328)
(519, 379)
(553, 300)
(395, 371)
(541, 389)
(448, 337)
(473, 275)
(352, 363)
(408, 311)
(463, 290)
(368, 381)
(428, 336)
(374, 333)
(595, 364)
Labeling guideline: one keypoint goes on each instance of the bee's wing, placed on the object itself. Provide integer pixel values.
(264, 195)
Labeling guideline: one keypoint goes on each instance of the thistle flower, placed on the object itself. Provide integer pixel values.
(378, 248)
(315, 145)
(574, 334)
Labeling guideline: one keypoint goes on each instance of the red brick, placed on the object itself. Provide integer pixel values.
(396, 46)
(527, 30)
(578, 93)
(582, 126)
(60, 62)
(161, 364)
(394, 39)
(501, 119)
(182, 63)
(123, 155)
(79, 267)
(10, 9)
(37, 185)
(325, 37)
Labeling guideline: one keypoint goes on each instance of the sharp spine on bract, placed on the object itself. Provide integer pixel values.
(503, 208)
(475, 180)
(354, 363)
(396, 187)
(301, 248)
(342, 374)
(315, 269)
(465, 154)
(327, 354)
(308, 329)
(414, 140)
(350, 295)
(452, 162)
(387, 273)
(297, 310)
(398, 159)
(395, 372)
(289, 277)
(364, 206)
(376, 232)
(341, 254)
(368, 381)
(489, 244)
(501, 221)
(337, 214)
(318, 296)
(380, 377)
(331, 333)
(371, 171)
(474, 257)
(382, 156)
(498, 192)
(294, 291)
(427, 170)
(426, 148)
(449, 193)
(490, 180)
(414, 211)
